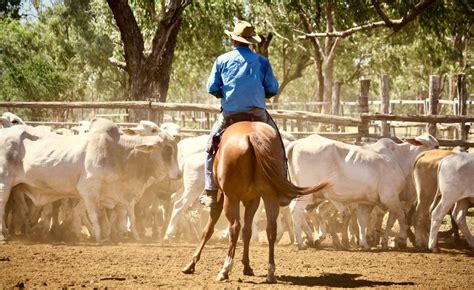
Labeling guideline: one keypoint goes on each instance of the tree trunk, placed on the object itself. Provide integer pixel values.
(149, 75)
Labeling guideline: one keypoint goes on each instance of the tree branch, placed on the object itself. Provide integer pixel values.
(120, 64)
(395, 24)
(170, 17)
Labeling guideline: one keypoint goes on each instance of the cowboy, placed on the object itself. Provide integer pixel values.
(242, 79)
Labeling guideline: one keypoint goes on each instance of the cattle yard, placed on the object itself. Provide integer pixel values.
(145, 251)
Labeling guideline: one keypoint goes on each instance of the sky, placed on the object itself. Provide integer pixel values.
(28, 11)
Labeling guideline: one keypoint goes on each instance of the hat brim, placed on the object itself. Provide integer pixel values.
(248, 40)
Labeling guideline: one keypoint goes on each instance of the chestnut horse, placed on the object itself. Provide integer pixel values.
(248, 167)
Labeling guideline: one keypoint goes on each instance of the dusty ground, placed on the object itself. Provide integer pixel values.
(154, 265)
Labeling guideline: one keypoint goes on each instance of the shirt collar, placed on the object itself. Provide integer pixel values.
(242, 48)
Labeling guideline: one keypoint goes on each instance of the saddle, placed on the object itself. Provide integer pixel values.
(229, 120)
(241, 117)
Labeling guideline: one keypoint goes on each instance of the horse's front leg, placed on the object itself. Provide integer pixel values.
(214, 215)
(272, 209)
(250, 209)
(232, 213)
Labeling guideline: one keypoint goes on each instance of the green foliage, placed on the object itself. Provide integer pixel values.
(30, 71)
(64, 54)
(10, 8)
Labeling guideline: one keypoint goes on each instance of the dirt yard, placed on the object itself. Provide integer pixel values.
(152, 265)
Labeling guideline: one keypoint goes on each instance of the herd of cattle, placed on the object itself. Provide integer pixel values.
(98, 180)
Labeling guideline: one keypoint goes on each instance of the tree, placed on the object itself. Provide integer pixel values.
(10, 8)
(148, 71)
(333, 34)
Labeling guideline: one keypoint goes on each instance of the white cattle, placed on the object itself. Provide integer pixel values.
(83, 127)
(102, 166)
(456, 189)
(364, 175)
(149, 128)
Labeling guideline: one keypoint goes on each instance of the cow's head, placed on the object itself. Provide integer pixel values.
(144, 128)
(9, 119)
(426, 140)
(163, 150)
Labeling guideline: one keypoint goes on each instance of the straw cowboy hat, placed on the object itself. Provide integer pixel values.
(244, 32)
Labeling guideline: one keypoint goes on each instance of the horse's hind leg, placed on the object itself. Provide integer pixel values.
(272, 209)
(232, 213)
(250, 209)
(206, 235)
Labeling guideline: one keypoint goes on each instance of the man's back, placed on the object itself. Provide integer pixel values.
(243, 79)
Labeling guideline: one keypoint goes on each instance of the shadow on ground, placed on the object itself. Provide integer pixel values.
(338, 280)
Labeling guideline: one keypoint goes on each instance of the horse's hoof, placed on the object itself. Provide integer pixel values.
(271, 279)
(248, 272)
(189, 269)
(222, 276)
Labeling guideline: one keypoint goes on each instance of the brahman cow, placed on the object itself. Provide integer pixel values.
(425, 175)
(365, 175)
(102, 166)
(456, 189)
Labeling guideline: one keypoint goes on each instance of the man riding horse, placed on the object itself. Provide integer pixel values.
(242, 79)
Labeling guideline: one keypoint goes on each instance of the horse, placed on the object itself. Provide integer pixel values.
(248, 167)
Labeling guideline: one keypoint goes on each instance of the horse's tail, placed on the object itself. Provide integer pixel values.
(271, 168)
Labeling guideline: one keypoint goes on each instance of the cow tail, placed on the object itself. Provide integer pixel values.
(271, 168)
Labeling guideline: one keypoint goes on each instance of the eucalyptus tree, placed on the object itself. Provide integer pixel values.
(148, 58)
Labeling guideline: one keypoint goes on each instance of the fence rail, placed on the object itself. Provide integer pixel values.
(198, 118)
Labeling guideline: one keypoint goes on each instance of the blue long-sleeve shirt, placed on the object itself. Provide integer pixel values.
(242, 79)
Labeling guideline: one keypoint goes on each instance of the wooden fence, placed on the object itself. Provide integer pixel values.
(198, 118)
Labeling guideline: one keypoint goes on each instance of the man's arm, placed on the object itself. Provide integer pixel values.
(214, 82)
(270, 83)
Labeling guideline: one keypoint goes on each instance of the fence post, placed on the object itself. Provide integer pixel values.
(385, 104)
(183, 120)
(462, 98)
(336, 101)
(364, 106)
(433, 95)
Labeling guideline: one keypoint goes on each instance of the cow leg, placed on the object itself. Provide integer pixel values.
(363, 211)
(459, 215)
(297, 213)
(133, 220)
(180, 207)
(346, 218)
(272, 209)
(232, 213)
(93, 213)
(214, 215)
(167, 210)
(390, 222)
(437, 216)
(5, 190)
(46, 220)
(287, 223)
(250, 209)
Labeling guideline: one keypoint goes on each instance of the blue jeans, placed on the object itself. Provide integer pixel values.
(219, 128)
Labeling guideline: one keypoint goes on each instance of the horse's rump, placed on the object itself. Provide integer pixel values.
(260, 145)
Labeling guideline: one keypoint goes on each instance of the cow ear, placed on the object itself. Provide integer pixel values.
(5, 123)
(131, 131)
(413, 141)
(149, 146)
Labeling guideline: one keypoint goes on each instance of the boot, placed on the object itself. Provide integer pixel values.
(208, 197)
